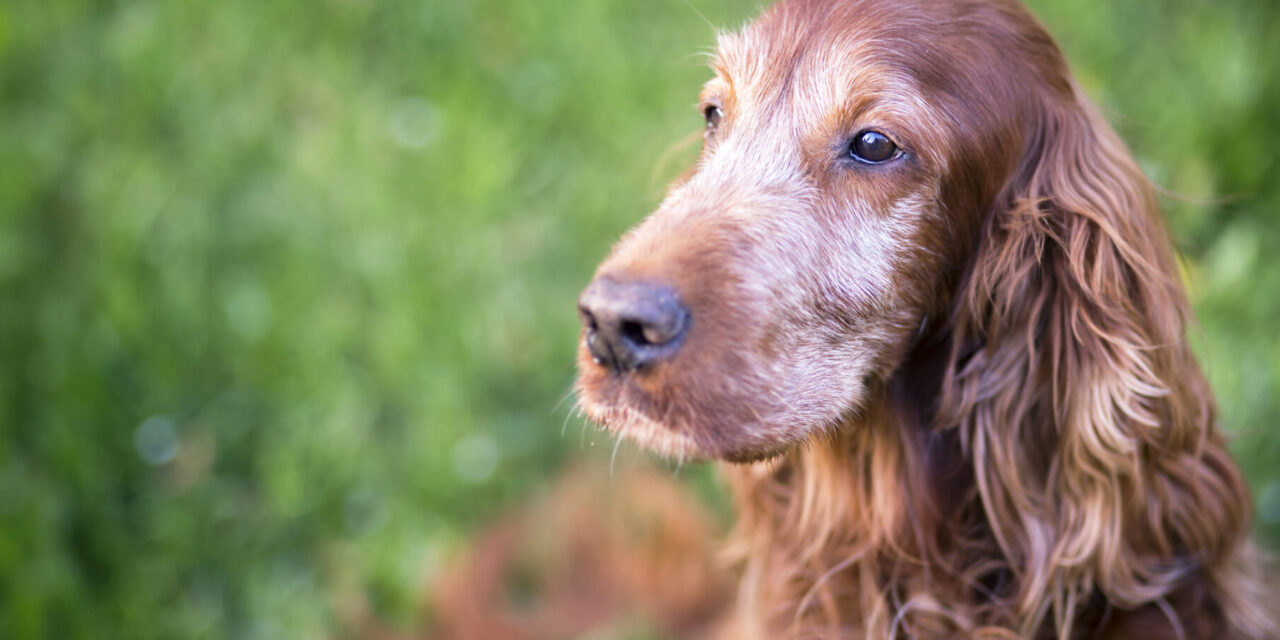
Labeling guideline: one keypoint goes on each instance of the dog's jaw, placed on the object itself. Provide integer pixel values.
(627, 422)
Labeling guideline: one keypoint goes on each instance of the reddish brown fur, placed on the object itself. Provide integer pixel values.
(962, 376)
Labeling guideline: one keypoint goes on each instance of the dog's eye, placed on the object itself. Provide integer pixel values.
(713, 114)
(872, 147)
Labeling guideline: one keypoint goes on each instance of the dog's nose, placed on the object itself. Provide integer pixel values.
(631, 324)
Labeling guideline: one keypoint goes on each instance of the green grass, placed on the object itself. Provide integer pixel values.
(286, 288)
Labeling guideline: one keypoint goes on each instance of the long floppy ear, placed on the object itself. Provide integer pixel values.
(1088, 423)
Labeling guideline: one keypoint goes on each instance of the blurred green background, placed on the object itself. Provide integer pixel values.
(286, 288)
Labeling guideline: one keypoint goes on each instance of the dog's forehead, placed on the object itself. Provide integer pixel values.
(809, 67)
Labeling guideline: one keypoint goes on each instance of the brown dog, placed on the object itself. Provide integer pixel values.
(921, 291)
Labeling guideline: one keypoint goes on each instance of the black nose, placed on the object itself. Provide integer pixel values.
(631, 324)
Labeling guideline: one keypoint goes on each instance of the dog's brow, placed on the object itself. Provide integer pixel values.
(719, 67)
(720, 87)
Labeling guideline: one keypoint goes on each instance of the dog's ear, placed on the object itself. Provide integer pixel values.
(1087, 421)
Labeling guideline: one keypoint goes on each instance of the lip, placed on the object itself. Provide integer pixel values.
(616, 404)
(626, 421)
(620, 404)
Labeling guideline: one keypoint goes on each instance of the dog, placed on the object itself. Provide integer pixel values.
(918, 297)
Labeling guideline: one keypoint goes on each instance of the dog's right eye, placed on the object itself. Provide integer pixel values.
(714, 115)
(873, 147)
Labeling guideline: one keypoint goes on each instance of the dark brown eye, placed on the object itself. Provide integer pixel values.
(713, 114)
(872, 147)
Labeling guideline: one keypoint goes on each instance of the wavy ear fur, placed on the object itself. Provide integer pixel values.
(1088, 423)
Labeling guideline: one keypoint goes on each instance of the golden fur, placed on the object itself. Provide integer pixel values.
(957, 384)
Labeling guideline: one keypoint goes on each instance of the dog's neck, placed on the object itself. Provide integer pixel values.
(827, 526)
(887, 498)
(878, 529)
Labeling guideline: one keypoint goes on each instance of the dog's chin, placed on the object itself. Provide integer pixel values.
(626, 422)
(676, 442)
(653, 416)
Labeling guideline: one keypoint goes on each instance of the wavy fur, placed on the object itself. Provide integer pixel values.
(985, 423)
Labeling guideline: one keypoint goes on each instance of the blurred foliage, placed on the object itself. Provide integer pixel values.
(286, 288)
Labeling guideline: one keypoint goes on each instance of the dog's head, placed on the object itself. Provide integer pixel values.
(854, 152)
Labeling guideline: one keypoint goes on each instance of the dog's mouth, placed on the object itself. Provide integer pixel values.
(680, 411)
(628, 422)
(634, 404)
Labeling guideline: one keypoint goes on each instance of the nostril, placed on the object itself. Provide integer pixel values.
(664, 324)
(588, 319)
(635, 332)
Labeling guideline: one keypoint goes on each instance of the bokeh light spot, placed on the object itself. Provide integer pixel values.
(156, 440)
(475, 457)
(414, 123)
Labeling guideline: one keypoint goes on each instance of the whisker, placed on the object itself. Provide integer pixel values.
(567, 394)
(613, 457)
(700, 15)
(565, 424)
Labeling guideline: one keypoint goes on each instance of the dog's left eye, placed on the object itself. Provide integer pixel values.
(872, 147)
